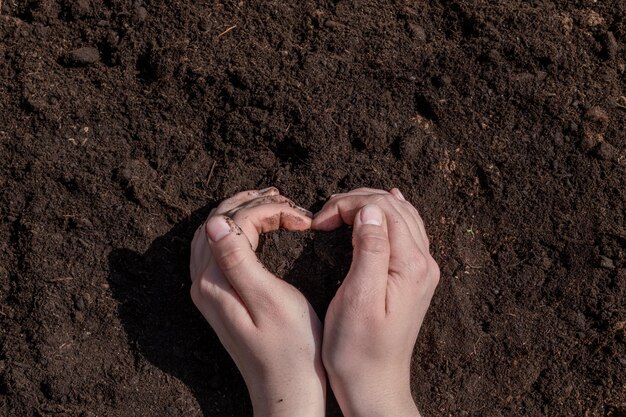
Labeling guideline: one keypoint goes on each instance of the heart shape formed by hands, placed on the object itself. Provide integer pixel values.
(271, 330)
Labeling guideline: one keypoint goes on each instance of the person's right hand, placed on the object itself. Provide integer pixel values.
(372, 322)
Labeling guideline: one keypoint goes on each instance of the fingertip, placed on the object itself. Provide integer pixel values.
(295, 220)
(323, 223)
(218, 227)
(396, 193)
(269, 191)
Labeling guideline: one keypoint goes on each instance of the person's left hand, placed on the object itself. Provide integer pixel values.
(266, 325)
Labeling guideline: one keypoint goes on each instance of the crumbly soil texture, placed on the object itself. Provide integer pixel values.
(122, 123)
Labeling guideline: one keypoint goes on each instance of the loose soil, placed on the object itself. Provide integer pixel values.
(122, 123)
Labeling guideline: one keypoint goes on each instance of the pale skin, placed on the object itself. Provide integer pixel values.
(273, 334)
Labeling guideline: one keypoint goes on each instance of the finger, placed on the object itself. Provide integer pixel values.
(367, 190)
(359, 191)
(403, 234)
(343, 209)
(268, 217)
(269, 199)
(417, 226)
(243, 197)
(213, 295)
(420, 225)
(405, 239)
(412, 211)
(237, 261)
(340, 210)
(199, 253)
(396, 193)
(218, 301)
(366, 282)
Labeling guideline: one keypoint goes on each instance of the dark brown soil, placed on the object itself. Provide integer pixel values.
(122, 123)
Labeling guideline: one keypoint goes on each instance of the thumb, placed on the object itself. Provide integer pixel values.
(366, 283)
(235, 258)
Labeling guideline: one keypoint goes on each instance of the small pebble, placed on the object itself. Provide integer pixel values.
(141, 14)
(610, 45)
(80, 303)
(607, 263)
(590, 140)
(83, 57)
(445, 80)
(86, 223)
(79, 316)
(331, 24)
(80, 9)
(596, 120)
(417, 32)
(606, 152)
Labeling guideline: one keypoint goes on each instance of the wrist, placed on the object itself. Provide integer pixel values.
(388, 407)
(287, 398)
(379, 399)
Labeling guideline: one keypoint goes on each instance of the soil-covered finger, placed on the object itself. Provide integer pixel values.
(268, 217)
(273, 216)
(243, 197)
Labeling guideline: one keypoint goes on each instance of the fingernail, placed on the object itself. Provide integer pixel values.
(372, 214)
(217, 229)
(266, 190)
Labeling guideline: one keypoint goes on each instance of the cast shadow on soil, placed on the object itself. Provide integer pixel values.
(165, 328)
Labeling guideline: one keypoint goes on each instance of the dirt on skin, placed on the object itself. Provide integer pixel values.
(123, 123)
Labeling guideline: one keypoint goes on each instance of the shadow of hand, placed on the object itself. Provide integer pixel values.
(165, 327)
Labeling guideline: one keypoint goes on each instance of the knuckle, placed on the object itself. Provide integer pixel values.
(373, 244)
(201, 290)
(414, 268)
(230, 258)
(387, 198)
(235, 198)
(419, 264)
(425, 272)
(194, 292)
(435, 272)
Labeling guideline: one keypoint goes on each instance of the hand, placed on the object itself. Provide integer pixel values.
(266, 325)
(372, 322)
